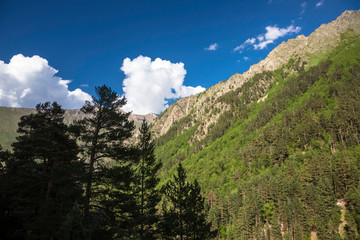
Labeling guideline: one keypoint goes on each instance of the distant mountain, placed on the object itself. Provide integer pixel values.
(9, 118)
(276, 150)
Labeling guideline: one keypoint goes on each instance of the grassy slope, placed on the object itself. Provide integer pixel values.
(9, 118)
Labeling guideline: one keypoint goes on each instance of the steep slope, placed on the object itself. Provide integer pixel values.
(276, 154)
(301, 49)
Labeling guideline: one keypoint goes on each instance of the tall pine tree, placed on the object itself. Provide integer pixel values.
(147, 180)
(103, 135)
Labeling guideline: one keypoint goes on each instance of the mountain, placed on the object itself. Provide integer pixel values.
(302, 48)
(276, 149)
(9, 118)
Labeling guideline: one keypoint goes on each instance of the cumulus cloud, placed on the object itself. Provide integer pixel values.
(319, 4)
(262, 40)
(149, 85)
(212, 47)
(246, 58)
(27, 81)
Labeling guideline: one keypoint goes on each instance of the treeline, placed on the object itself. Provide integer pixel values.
(86, 181)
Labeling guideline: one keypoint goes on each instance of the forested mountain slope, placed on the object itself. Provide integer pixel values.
(277, 149)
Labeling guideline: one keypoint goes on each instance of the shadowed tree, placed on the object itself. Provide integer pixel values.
(103, 134)
(44, 175)
(184, 216)
(148, 196)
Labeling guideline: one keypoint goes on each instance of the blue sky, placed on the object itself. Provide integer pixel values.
(88, 41)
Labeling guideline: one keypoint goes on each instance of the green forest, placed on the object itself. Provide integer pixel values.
(283, 162)
(287, 167)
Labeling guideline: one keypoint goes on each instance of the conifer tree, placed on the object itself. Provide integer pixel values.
(184, 218)
(103, 133)
(148, 196)
(198, 227)
(44, 175)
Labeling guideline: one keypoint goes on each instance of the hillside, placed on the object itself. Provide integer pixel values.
(9, 118)
(276, 148)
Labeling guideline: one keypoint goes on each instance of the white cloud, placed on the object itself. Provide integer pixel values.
(212, 47)
(319, 4)
(150, 84)
(246, 58)
(303, 8)
(273, 33)
(247, 43)
(263, 44)
(262, 40)
(27, 81)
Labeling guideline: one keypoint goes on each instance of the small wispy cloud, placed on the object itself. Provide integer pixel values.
(319, 4)
(246, 58)
(262, 40)
(303, 8)
(212, 47)
(84, 85)
(247, 43)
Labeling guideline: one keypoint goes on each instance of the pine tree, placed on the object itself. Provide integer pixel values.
(44, 175)
(103, 133)
(176, 193)
(184, 216)
(197, 226)
(148, 196)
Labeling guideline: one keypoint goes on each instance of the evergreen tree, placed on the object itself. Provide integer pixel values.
(117, 209)
(103, 134)
(44, 176)
(148, 196)
(184, 216)
(198, 227)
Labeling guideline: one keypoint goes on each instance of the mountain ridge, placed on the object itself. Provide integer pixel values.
(322, 39)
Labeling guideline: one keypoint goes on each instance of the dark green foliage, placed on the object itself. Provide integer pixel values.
(41, 188)
(43, 177)
(72, 228)
(103, 134)
(148, 197)
(183, 213)
(116, 208)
